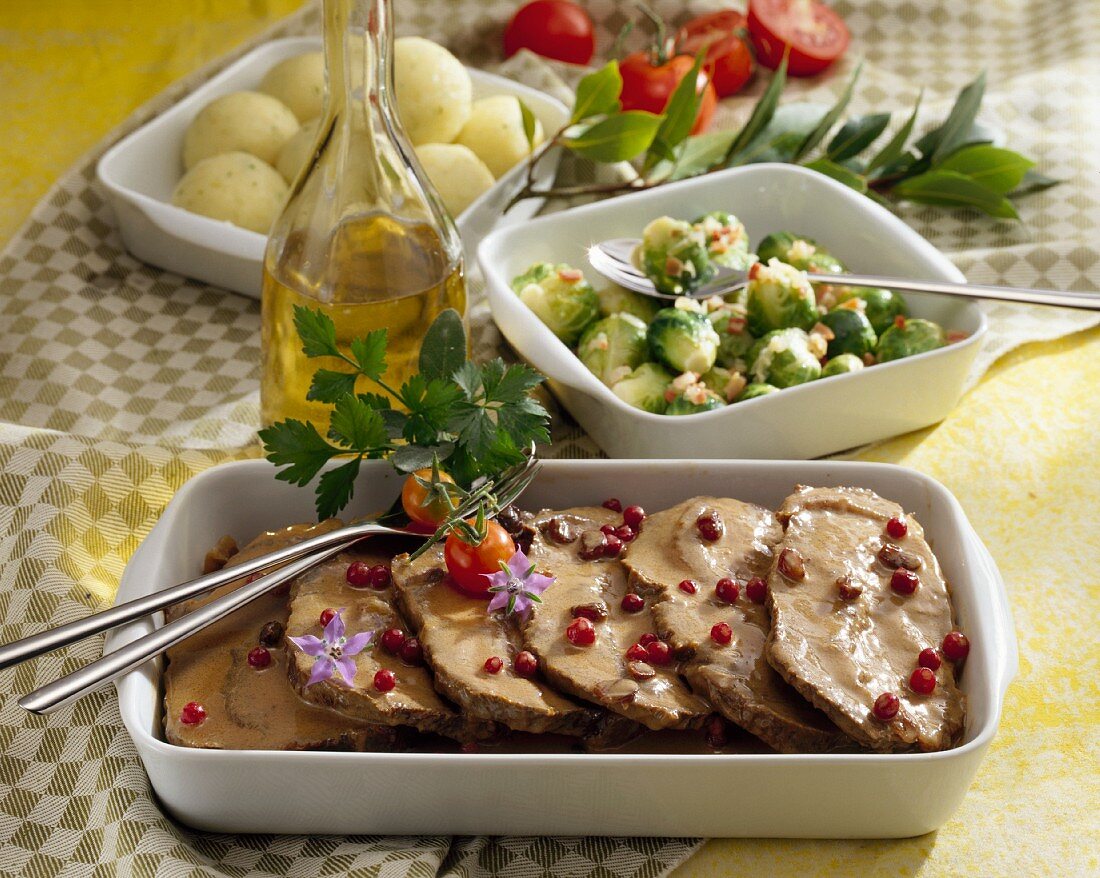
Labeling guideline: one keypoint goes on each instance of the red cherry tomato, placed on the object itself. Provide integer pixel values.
(648, 87)
(425, 515)
(817, 35)
(468, 564)
(554, 29)
(728, 59)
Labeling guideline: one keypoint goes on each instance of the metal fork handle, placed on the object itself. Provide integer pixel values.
(65, 690)
(55, 638)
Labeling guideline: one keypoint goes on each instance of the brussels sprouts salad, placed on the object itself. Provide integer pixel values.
(777, 332)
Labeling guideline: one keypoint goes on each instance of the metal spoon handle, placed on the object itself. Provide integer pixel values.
(66, 690)
(1086, 301)
(71, 632)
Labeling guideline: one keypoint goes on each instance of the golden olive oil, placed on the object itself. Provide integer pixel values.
(374, 271)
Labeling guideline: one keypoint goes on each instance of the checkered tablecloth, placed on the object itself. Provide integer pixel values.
(119, 381)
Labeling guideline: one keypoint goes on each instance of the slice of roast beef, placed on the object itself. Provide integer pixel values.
(843, 636)
(248, 708)
(736, 678)
(458, 635)
(649, 693)
(413, 700)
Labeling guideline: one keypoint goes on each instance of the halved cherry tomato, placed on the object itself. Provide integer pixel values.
(469, 565)
(817, 35)
(554, 29)
(647, 86)
(425, 515)
(728, 59)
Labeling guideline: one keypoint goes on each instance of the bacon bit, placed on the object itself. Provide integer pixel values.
(754, 272)
(849, 590)
(673, 266)
(955, 335)
(899, 321)
(854, 304)
(670, 395)
(869, 359)
(734, 386)
(685, 380)
(570, 275)
(736, 325)
(823, 330)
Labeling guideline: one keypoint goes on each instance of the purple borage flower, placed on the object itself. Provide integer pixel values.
(333, 651)
(516, 588)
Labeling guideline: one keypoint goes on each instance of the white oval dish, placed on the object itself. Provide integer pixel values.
(141, 170)
(809, 420)
(564, 793)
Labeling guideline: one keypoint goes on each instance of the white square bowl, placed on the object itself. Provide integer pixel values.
(805, 421)
(140, 171)
(560, 793)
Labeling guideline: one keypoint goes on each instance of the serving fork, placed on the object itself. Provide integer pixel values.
(297, 558)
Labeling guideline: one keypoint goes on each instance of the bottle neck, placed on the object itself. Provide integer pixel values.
(358, 39)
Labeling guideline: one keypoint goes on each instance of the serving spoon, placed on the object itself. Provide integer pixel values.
(613, 259)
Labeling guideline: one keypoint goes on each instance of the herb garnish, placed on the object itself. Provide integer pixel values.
(474, 420)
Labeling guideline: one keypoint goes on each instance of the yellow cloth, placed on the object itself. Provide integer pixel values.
(1020, 452)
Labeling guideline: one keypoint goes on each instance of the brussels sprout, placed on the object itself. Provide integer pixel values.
(726, 239)
(908, 337)
(683, 340)
(674, 256)
(703, 402)
(612, 347)
(779, 297)
(734, 340)
(560, 298)
(804, 254)
(756, 389)
(644, 388)
(619, 300)
(842, 363)
(783, 358)
(852, 332)
(882, 306)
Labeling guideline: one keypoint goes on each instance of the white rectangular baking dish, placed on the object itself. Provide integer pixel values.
(141, 170)
(758, 794)
(810, 420)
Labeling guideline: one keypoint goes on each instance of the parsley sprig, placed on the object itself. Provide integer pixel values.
(472, 419)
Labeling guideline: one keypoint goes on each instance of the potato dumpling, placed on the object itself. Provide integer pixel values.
(494, 132)
(298, 82)
(244, 120)
(296, 151)
(235, 187)
(458, 175)
(433, 91)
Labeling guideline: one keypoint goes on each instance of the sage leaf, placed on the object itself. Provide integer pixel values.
(761, 114)
(896, 146)
(1001, 170)
(856, 135)
(945, 139)
(598, 93)
(409, 458)
(951, 189)
(825, 125)
(701, 153)
(783, 136)
(443, 349)
(530, 124)
(617, 138)
(839, 173)
(1034, 182)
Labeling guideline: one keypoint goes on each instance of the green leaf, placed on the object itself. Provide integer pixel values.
(617, 138)
(496, 417)
(370, 353)
(444, 347)
(1034, 182)
(357, 426)
(336, 488)
(952, 189)
(316, 331)
(530, 124)
(409, 458)
(783, 136)
(839, 173)
(329, 385)
(896, 146)
(856, 135)
(598, 93)
(1001, 170)
(391, 417)
(761, 113)
(949, 136)
(430, 406)
(830, 118)
(299, 447)
(701, 153)
(679, 116)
